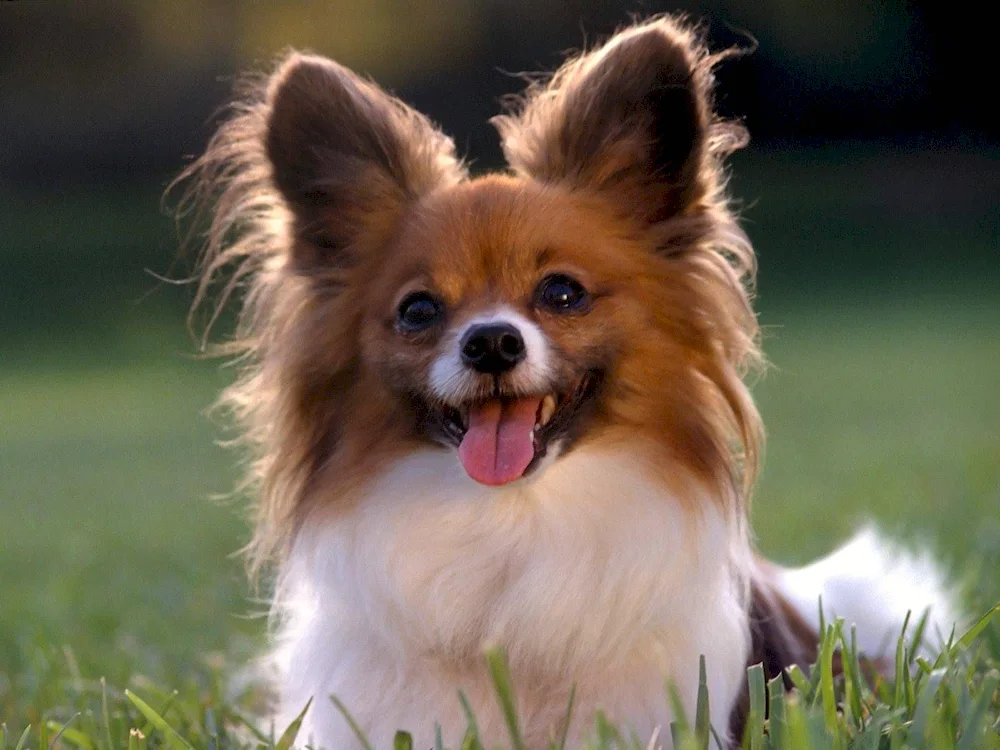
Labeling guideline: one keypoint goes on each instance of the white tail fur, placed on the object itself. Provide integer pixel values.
(872, 583)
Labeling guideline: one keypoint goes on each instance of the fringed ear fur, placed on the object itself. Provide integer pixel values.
(632, 119)
(346, 156)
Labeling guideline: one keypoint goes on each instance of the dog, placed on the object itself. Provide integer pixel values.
(510, 410)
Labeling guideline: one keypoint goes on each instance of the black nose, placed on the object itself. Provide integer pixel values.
(493, 348)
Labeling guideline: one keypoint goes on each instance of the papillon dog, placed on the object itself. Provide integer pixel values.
(510, 409)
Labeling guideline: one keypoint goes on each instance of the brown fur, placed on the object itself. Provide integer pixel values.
(330, 200)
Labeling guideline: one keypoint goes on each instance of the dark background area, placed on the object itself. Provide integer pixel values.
(873, 165)
(107, 91)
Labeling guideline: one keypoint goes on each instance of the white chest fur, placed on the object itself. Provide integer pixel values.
(590, 574)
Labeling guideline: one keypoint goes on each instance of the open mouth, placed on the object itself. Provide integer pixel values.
(504, 438)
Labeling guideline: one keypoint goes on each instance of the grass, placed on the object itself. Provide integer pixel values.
(114, 563)
(951, 702)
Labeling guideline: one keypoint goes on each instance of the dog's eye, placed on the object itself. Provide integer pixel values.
(562, 293)
(418, 311)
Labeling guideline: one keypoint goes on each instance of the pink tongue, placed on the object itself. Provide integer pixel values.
(498, 446)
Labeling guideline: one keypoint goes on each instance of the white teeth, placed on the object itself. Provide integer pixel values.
(547, 410)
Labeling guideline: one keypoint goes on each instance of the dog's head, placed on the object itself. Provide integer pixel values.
(594, 293)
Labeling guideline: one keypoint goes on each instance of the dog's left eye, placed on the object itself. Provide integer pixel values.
(562, 293)
(418, 311)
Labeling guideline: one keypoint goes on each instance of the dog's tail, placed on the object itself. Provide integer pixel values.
(869, 582)
(872, 583)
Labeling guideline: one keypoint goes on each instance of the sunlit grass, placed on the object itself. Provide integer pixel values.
(947, 701)
(114, 563)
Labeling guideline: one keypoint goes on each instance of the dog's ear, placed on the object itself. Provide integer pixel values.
(632, 119)
(346, 156)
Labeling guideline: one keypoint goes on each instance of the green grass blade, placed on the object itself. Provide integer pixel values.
(799, 679)
(438, 740)
(753, 734)
(899, 694)
(688, 742)
(472, 740)
(911, 695)
(149, 726)
(105, 715)
(896, 738)
(60, 729)
(502, 684)
(287, 738)
(822, 617)
(776, 714)
(677, 734)
(402, 741)
(24, 738)
(568, 718)
(169, 733)
(974, 728)
(918, 633)
(677, 708)
(65, 731)
(972, 633)
(852, 675)
(351, 723)
(608, 735)
(826, 691)
(871, 737)
(925, 704)
(796, 724)
(949, 651)
(701, 717)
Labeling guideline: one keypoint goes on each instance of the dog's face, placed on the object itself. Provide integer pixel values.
(593, 293)
(503, 309)
(515, 319)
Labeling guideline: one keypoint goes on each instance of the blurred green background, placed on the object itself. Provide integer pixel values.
(870, 191)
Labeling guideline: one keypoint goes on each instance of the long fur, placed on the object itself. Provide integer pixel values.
(626, 552)
(563, 581)
(249, 230)
(874, 584)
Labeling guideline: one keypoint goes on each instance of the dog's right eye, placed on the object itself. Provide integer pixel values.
(418, 311)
